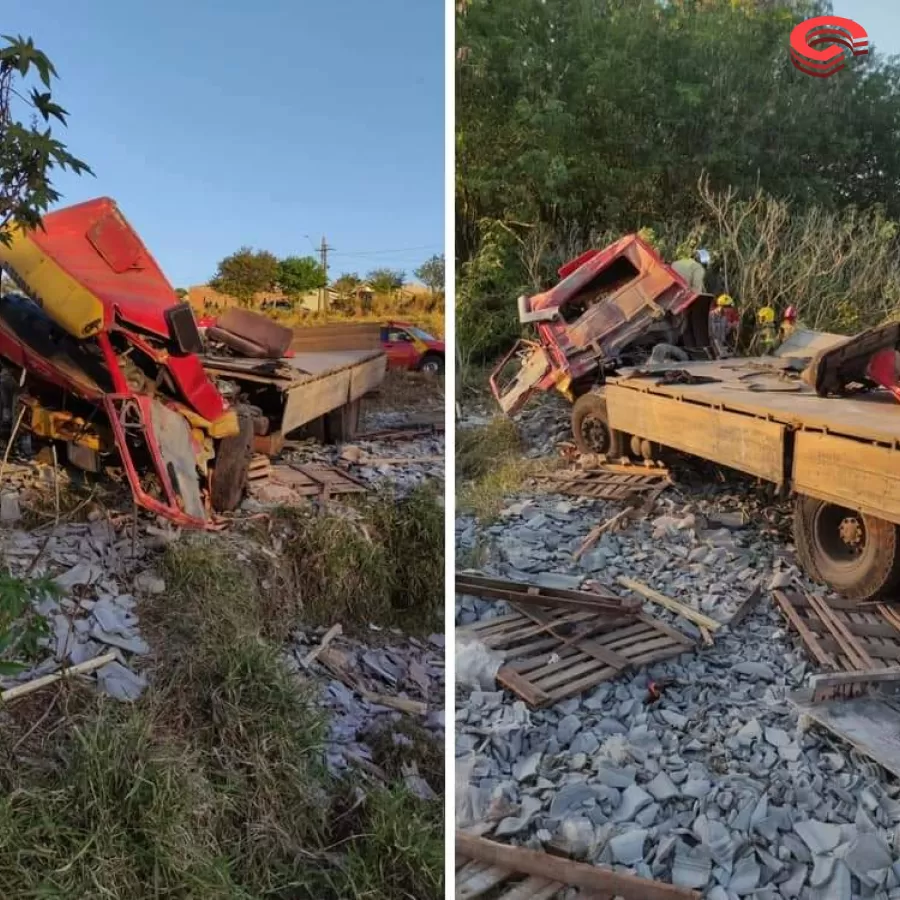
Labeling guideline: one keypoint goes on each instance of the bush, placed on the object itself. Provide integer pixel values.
(841, 269)
(384, 564)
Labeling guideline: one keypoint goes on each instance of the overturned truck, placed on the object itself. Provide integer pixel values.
(113, 366)
(819, 419)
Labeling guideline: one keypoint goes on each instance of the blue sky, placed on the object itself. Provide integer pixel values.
(221, 123)
(880, 18)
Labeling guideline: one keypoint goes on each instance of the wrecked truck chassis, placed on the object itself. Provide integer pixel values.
(280, 395)
(171, 434)
(839, 457)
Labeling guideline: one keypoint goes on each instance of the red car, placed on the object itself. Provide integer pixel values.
(409, 347)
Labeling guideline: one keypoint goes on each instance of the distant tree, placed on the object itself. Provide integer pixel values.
(347, 284)
(298, 275)
(182, 293)
(29, 154)
(431, 273)
(246, 273)
(386, 281)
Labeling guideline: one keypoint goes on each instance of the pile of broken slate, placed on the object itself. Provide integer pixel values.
(715, 786)
(403, 668)
(422, 461)
(96, 570)
(414, 461)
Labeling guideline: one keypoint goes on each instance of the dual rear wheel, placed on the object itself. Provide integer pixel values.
(853, 553)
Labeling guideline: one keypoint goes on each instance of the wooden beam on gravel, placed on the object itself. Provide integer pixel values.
(598, 881)
(692, 615)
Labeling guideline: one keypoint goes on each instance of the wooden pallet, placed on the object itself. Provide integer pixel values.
(550, 655)
(841, 635)
(602, 484)
(488, 869)
(316, 480)
(598, 601)
(858, 707)
(404, 432)
(477, 879)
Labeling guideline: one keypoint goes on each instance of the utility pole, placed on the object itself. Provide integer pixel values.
(323, 259)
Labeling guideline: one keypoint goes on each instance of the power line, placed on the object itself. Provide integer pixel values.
(381, 252)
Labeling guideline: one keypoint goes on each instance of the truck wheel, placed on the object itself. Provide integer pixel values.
(590, 427)
(432, 364)
(233, 454)
(855, 554)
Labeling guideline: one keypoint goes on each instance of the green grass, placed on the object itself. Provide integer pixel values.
(212, 785)
(382, 565)
(490, 467)
(402, 852)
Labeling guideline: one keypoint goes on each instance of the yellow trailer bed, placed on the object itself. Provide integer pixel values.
(840, 456)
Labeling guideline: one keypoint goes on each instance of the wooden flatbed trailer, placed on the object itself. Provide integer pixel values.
(838, 456)
(321, 390)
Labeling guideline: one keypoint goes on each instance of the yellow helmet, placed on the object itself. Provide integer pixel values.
(766, 315)
(724, 300)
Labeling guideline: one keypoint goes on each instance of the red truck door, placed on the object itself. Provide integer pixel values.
(399, 347)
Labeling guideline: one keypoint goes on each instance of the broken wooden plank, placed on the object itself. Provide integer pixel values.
(82, 668)
(537, 595)
(867, 723)
(522, 687)
(599, 530)
(829, 685)
(748, 605)
(334, 664)
(889, 615)
(655, 596)
(313, 654)
(809, 639)
(595, 879)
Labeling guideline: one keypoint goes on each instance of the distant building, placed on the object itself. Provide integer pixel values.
(204, 299)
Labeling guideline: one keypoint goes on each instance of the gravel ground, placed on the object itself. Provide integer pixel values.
(404, 668)
(716, 786)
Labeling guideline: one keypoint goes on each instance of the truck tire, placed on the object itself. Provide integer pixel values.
(590, 427)
(233, 454)
(855, 554)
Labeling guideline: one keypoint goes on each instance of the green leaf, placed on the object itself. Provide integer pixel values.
(12, 668)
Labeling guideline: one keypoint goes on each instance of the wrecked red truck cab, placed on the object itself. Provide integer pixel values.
(99, 329)
(611, 307)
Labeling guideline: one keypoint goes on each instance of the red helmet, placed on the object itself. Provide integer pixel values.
(790, 314)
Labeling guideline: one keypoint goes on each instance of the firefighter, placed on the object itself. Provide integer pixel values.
(723, 324)
(766, 334)
(790, 323)
(693, 270)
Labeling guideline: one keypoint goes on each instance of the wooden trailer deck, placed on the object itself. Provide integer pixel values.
(843, 450)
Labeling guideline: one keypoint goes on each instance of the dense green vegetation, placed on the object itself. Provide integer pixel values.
(581, 120)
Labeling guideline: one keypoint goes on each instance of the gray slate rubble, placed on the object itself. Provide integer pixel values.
(716, 786)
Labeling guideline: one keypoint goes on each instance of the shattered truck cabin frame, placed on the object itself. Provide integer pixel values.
(610, 305)
(113, 364)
